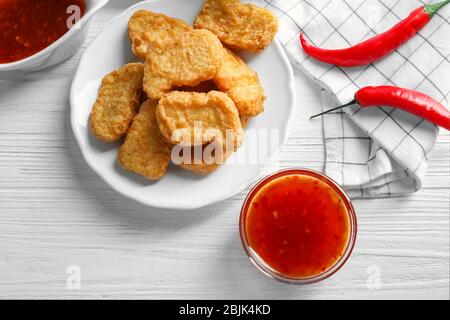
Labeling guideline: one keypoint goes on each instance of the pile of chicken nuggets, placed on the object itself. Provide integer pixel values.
(192, 96)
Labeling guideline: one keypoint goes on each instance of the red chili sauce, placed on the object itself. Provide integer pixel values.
(29, 26)
(298, 225)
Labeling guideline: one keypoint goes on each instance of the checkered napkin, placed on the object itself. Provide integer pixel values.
(381, 151)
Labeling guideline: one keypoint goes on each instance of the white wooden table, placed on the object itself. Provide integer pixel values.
(56, 213)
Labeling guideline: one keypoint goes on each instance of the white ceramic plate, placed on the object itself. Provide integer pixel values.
(180, 189)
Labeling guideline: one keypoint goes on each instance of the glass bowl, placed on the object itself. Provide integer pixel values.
(261, 264)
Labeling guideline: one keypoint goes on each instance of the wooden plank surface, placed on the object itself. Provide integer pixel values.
(56, 213)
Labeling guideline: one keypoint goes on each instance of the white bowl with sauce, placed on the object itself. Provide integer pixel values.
(61, 49)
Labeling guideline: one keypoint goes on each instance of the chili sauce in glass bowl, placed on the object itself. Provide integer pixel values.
(298, 226)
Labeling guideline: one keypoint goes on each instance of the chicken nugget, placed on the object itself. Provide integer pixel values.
(193, 119)
(239, 26)
(241, 83)
(190, 59)
(204, 159)
(145, 150)
(146, 27)
(200, 169)
(117, 102)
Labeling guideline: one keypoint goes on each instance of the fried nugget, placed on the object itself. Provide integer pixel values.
(146, 27)
(117, 102)
(192, 119)
(145, 150)
(188, 60)
(204, 159)
(239, 26)
(200, 169)
(241, 83)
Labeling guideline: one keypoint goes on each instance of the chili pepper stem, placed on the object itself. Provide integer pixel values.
(334, 109)
(431, 9)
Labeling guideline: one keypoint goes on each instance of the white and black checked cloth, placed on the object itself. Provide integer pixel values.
(376, 152)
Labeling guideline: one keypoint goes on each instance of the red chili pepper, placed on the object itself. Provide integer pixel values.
(407, 100)
(379, 46)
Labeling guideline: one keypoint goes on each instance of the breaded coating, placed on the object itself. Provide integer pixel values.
(117, 102)
(239, 26)
(146, 27)
(193, 119)
(204, 159)
(145, 150)
(241, 83)
(200, 169)
(193, 57)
